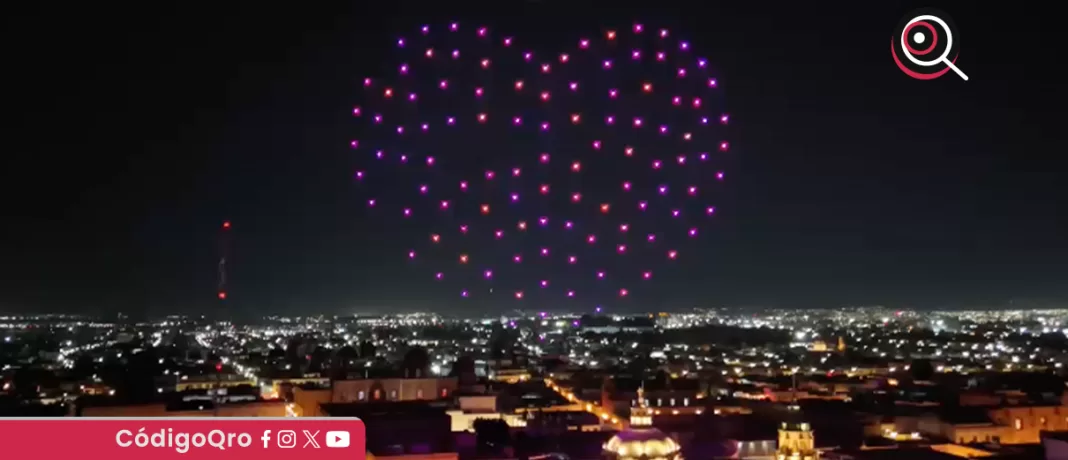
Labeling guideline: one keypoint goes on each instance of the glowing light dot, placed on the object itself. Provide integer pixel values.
(485, 209)
(591, 239)
(404, 69)
(605, 207)
(724, 119)
(544, 126)
(444, 204)
(626, 186)
(546, 68)
(628, 151)
(378, 118)
(423, 189)
(485, 63)
(647, 87)
(663, 129)
(672, 254)
(527, 56)
(600, 275)
(662, 189)
(692, 232)
(429, 52)
(359, 175)
(638, 28)
(443, 84)
(635, 55)
(621, 248)
(543, 221)
(379, 154)
(517, 258)
(367, 82)
(656, 164)
(681, 73)
(544, 158)
(407, 212)
(684, 46)
(661, 56)
(456, 54)
(400, 43)
(663, 33)
(482, 31)
(568, 224)
(576, 166)
(624, 227)
(576, 197)
(371, 202)
(710, 210)
(642, 205)
(544, 251)
(575, 118)
(425, 127)
(623, 292)
(712, 83)
(450, 121)
(584, 43)
(572, 259)
(519, 294)
(356, 111)
(404, 158)
(647, 275)
(723, 146)
(687, 136)
(613, 93)
(517, 121)
(463, 185)
(454, 27)
(522, 225)
(675, 213)
(498, 234)
(564, 58)
(518, 85)
(544, 189)
(388, 92)
(487, 274)
(610, 120)
(400, 130)
(435, 238)
(507, 41)
(490, 175)
(481, 118)
(354, 144)
(611, 35)
(676, 100)
(514, 197)
(637, 122)
(571, 293)
(412, 97)
(719, 175)
(607, 64)
(573, 86)
(545, 96)
(681, 159)
(425, 29)
(463, 294)
(544, 283)
(463, 229)
(650, 238)
(411, 254)
(479, 92)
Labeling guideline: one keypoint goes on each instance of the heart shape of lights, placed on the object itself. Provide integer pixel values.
(578, 175)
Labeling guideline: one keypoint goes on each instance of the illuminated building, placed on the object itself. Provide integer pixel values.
(641, 441)
(797, 442)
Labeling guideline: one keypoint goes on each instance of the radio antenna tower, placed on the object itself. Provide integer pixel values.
(224, 254)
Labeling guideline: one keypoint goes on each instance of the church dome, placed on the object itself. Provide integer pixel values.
(642, 441)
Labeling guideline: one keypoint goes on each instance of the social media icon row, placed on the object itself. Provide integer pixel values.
(287, 439)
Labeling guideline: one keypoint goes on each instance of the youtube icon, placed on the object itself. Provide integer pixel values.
(337, 439)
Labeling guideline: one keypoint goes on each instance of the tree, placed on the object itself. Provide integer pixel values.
(921, 369)
(367, 350)
(416, 362)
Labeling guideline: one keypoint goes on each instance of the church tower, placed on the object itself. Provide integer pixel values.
(797, 442)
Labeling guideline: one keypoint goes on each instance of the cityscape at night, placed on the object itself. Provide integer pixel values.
(544, 231)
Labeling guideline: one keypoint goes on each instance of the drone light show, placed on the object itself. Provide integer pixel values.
(578, 176)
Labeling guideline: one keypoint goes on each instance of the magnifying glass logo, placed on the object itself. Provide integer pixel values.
(925, 45)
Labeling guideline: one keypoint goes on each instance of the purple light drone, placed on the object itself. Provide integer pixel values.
(580, 174)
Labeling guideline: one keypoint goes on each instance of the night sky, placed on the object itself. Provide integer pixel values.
(138, 132)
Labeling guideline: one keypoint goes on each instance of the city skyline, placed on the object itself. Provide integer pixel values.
(854, 184)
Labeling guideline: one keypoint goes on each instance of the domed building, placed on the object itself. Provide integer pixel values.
(642, 441)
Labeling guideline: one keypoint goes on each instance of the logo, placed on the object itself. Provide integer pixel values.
(925, 45)
(287, 439)
(337, 439)
(311, 439)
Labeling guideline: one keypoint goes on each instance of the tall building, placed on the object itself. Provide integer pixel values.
(797, 442)
(641, 441)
